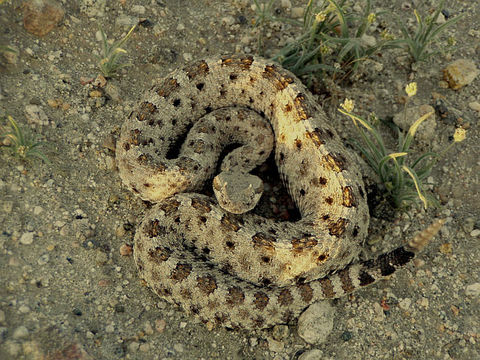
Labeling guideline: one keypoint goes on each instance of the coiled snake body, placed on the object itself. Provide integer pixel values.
(244, 270)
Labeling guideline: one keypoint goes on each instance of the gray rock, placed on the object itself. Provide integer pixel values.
(20, 332)
(313, 354)
(426, 130)
(35, 115)
(27, 238)
(316, 323)
(473, 290)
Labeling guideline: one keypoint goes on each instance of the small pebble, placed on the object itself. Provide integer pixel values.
(313, 354)
(41, 16)
(126, 250)
(42, 260)
(120, 230)
(160, 325)
(316, 323)
(133, 347)
(297, 12)
(227, 21)
(37, 210)
(35, 114)
(27, 238)
(138, 9)
(473, 290)
(274, 345)
(280, 332)
(109, 329)
(405, 303)
(144, 347)
(24, 309)
(474, 105)
(475, 233)
(20, 332)
(178, 347)
(148, 328)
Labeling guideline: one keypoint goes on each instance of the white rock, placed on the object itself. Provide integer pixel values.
(368, 40)
(227, 20)
(379, 314)
(133, 347)
(20, 332)
(35, 115)
(274, 345)
(475, 233)
(473, 290)
(178, 347)
(27, 238)
(24, 309)
(297, 12)
(474, 105)
(440, 19)
(42, 260)
(37, 210)
(138, 9)
(404, 304)
(286, 4)
(125, 20)
(313, 354)
(316, 323)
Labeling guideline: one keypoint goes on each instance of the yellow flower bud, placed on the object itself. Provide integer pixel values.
(348, 105)
(411, 89)
(371, 18)
(321, 16)
(459, 135)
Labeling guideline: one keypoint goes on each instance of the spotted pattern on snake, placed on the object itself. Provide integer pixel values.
(245, 270)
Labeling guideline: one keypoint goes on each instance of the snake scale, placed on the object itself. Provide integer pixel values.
(235, 269)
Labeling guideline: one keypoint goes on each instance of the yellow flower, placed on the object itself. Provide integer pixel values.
(324, 49)
(459, 135)
(386, 35)
(371, 18)
(411, 89)
(321, 16)
(348, 105)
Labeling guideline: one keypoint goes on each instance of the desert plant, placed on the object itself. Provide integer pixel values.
(401, 175)
(109, 61)
(425, 33)
(22, 144)
(332, 41)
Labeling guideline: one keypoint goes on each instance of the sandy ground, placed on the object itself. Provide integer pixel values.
(64, 286)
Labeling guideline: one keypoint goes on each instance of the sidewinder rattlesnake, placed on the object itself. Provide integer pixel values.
(244, 270)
